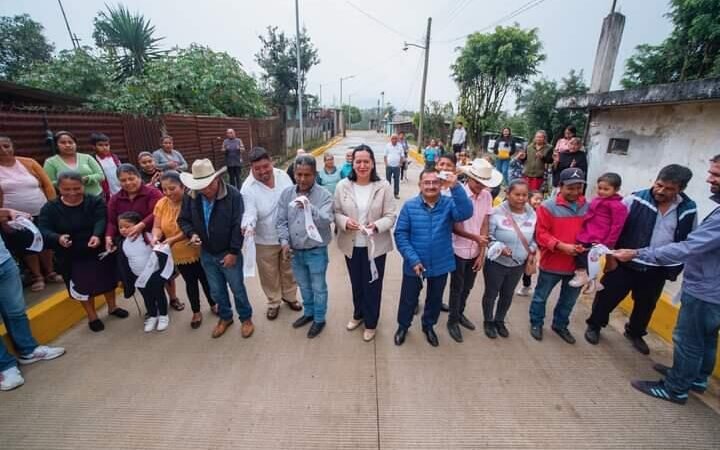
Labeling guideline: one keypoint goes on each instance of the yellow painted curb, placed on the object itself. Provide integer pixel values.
(323, 148)
(414, 154)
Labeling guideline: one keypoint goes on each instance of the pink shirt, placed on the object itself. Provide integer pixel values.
(482, 206)
(21, 190)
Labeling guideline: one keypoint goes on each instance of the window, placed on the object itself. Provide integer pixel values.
(618, 146)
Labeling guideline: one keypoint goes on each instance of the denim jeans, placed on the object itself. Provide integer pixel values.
(502, 166)
(310, 268)
(12, 308)
(695, 344)
(392, 174)
(219, 277)
(566, 300)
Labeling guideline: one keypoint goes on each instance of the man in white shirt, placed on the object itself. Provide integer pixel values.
(261, 193)
(394, 158)
(458, 138)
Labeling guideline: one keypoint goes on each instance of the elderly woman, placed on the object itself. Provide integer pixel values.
(186, 257)
(149, 172)
(365, 214)
(73, 225)
(26, 187)
(166, 157)
(68, 159)
(329, 176)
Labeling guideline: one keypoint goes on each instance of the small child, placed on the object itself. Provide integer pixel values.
(109, 163)
(602, 225)
(535, 199)
(135, 257)
(516, 165)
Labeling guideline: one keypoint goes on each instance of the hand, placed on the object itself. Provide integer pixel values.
(195, 240)
(568, 249)
(65, 241)
(352, 225)
(94, 242)
(573, 163)
(506, 252)
(478, 264)
(156, 176)
(625, 255)
(85, 179)
(7, 214)
(154, 240)
(172, 164)
(419, 269)
(299, 204)
(229, 260)
(610, 263)
(372, 228)
(248, 231)
(136, 230)
(286, 252)
(109, 245)
(482, 240)
(451, 179)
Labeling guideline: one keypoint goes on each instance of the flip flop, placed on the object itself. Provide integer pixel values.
(176, 304)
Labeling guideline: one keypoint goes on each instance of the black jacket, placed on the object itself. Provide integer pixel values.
(566, 159)
(225, 235)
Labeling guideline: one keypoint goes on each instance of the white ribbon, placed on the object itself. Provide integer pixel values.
(495, 250)
(310, 227)
(374, 275)
(22, 222)
(594, 256)
(249, 254)
(153, 265)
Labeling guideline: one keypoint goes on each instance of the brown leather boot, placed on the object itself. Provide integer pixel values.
(221, 327)
(247, 328)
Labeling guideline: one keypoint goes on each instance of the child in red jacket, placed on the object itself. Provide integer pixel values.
(602, 224)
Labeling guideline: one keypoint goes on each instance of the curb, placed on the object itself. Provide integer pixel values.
(325, 147)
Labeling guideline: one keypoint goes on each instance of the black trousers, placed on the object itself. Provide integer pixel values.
(500, 281)
(646, 287)
(366, 295)
(234, 173)
(581, 259)
(457, 148)
(156, 303)
(410, 294)
(461, 283)
(527, 280)
(193, 274)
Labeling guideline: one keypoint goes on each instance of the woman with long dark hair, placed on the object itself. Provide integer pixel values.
(68, 159)
(504, 149)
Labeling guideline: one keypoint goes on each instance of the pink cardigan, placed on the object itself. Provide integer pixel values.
(604, 221)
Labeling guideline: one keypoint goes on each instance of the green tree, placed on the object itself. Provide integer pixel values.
(22, 44)
(489, 66)
(434, 120)
(691, 52)
(353, 115)
(128, 38)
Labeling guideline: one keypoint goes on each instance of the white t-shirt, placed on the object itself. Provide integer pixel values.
(110, 169)
(394, 154)
(137, 252)
(21, 190)
(261, 204)
(362, 199)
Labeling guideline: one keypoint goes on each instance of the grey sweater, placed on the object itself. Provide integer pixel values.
(291, 220)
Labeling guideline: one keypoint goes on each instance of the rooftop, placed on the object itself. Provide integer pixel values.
(19, 94)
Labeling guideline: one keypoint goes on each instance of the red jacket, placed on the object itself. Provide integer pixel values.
(557, 222)
(143, 203)
(604, 221)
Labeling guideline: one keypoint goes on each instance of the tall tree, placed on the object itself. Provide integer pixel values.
(22, 44)
(434, 120)
(489, 66)
(691, 52)
(128, 38)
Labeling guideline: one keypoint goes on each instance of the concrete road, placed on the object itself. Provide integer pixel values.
(183, 390)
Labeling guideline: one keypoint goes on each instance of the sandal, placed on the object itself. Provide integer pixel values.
(54, 277)
(196, 321)
(38, 284)
(176, 304)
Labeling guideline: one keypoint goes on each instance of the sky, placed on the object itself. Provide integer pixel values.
(364, 38)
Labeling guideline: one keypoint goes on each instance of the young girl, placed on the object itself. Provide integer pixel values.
(602, 224)
(535, 198)
(516, 165)
(142, 268)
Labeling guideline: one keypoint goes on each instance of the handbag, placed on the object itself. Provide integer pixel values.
(531, 261)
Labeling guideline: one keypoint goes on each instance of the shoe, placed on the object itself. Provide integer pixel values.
(247, 328)
(294, 305)
(431, 337)
(502, 330)
(10, 379)
(590, 288)
(444, 307)
(599, 286)
(580, 279)
(96, 325)
(221, 328)
(354, 323)
(315, 329)
(524, 291)
(400, 336)
(565, 334)
(657, 389)
(490, 330)
(397, 197)
(41, 353)
(302, 321)
(697, 386)
(38, 284)
(119, 313)
(454, 331)
(465, 322)
(150, 324)
(196, 321)
(536, 332)
(638, 343)
(592, 335)
(163, 323)
(368, 335)
(272, 312)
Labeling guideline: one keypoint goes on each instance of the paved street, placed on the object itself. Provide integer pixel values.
(183, 390)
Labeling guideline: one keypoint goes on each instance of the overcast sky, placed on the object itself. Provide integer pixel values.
(351, 43)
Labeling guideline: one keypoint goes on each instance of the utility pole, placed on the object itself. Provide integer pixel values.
(299, 74)
(377, 125)
(382, 108)
(73, 38)
(350, 111)
(424, 84)
(342, 109)
(321, 95)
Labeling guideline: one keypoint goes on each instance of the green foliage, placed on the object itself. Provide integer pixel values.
(354, 115)
(435, 116)
(488, 67)
(691, 52)
(22, 44)
(128, 38)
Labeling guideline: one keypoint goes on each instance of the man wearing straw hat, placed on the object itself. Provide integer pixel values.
(211, 217)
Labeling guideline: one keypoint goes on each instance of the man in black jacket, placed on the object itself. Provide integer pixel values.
(211, 217)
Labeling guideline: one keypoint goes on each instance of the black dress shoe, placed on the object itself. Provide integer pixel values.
(490, 330)
(431, 337)
(639, 343)
(536, 332)
(96, 325)
(565, 334)
(592, 335)
(302, 321)
(400, 335)
(444, 307)
(119, 313)
(502, 330)
(464, 321)
(315, 329)
(454, 331)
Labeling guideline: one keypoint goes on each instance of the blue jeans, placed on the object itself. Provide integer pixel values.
(309, 268)
(219, 277)
(12, 308)
(695, 344)
(566, 300)
(502, 166)
(392, 174)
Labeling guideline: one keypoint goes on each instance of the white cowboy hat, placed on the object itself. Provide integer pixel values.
(483, 172)
(203, 173)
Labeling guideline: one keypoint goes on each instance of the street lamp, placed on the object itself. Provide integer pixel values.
(341, 103)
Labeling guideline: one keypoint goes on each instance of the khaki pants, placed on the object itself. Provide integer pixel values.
(276, 276)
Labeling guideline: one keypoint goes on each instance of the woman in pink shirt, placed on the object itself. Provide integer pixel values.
(563, 144)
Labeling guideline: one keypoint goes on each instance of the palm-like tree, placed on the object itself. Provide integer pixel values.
(129, 39)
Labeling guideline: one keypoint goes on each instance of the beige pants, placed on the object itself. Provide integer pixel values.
(276, 276)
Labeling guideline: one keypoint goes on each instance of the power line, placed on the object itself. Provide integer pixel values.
(455, 13)
(412, 85)
(378, 21)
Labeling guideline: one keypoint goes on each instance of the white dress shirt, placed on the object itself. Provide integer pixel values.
(459, 136)
(261, 204)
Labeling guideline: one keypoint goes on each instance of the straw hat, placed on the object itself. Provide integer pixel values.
(483, 172)
(203, 173)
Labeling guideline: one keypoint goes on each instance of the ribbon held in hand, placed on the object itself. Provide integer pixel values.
(310, 227)
(22, 222)
(370, 232)
(596, 252)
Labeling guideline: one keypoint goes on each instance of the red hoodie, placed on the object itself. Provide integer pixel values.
(558, 222)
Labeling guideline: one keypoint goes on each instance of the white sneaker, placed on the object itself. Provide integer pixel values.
(163, 323)
(42, 353)
(353, 324)
(524, 291)
(150, 324)
(580, 279)
(368, 335)
(10, 379)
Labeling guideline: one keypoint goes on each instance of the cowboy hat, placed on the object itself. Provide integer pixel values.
(483, 172)
(203, 173)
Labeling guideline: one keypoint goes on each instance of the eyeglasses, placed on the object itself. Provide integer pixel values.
(431, 183)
